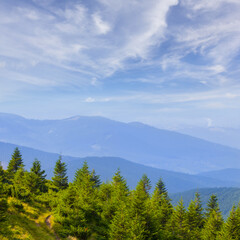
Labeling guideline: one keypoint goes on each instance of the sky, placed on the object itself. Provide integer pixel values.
(167, 63)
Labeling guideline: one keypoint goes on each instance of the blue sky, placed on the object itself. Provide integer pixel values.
(167, 63)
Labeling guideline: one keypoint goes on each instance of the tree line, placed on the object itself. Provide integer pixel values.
(90, 209)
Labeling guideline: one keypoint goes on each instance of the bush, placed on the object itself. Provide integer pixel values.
(17, 204)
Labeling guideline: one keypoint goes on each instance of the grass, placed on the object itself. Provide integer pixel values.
(26, 221)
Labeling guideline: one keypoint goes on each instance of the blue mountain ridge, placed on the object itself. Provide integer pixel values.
(97, 136)
(107, 166)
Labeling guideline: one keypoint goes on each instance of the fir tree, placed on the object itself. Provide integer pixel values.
(96, 179)
(39, 175)
(2, 173)
(60, 179)
(195, 217)
(178, 225)
(231, 228)
(36, 169)
(160, 210)
(212, 226)
(15, 163)
(81, 174)
(161, 187)
(78, 206)
(140, 224)
(3, 201)
(113, 197)
(119, 227)
(213, 219)
(212, 205)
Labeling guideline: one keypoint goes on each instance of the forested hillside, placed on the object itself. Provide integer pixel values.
(32, 207)
(226, 197)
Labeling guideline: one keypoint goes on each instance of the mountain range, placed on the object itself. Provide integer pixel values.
(96, 136)
(107, 166)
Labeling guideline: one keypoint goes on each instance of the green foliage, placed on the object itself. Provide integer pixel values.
(178, 224)
(119, 228)
(15, 163)
(212, 205)
(3, 203)
(213, 225)
(226, 197)
(231, 229)
(88, 209)
(60, 179)
(39, 176)
(160, 210)
(2, 173)
(195, 218)
(78, 207)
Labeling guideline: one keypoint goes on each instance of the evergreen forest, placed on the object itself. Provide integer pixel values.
(34, 207)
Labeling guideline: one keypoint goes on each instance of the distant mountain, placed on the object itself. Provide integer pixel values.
(226, 197)
(107, 166)
(97, 136)
(221, 135)
(229, 174)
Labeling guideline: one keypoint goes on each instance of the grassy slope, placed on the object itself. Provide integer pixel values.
(28, 223)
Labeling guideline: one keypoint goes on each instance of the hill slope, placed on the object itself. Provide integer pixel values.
(230, 174)
(96, 136)
(27, 223)
(107, 166)
(226, 197)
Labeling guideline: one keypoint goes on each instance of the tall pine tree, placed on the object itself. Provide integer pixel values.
(60, 179)
(178, 224)
(195, 217)
(160, 211)
(3, 199)
(140, 224)
(15, 163)
(231, 228)
(39, 175)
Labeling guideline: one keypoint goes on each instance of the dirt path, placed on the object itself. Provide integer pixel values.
(48, 223)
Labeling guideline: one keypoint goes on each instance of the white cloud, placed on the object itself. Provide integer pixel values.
(89, 100)
(102, 27)
(92, 40)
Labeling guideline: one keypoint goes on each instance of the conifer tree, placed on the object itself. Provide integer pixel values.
(231, 228)
(60, 179)
(2, 173)
(3, 200)
(140, 225)
(37, 169)
(178, 225)
(119, 227)
(78, 206)
(213, 219)
(195, 217)
(161, 187)
(160, 210)
(84, 172)
(113, 199)
(212, 225)
(212, 205)
(15, 163)
(39, 175)
(96, 179)
(19, 189)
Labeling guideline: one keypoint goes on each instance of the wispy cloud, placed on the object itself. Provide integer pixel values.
(159, 53)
